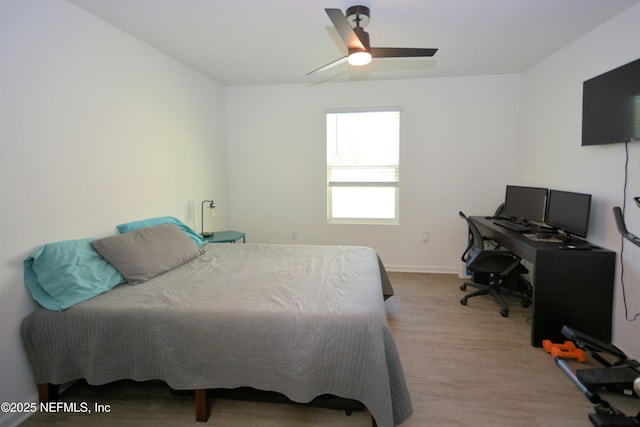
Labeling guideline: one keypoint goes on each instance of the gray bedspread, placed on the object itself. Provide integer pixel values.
(300, 320)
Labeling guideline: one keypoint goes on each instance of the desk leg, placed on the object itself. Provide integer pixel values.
(573, 288)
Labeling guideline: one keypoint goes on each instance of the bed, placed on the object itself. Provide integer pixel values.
(300, 320)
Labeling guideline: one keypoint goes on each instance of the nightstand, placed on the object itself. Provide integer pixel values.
(226, 237)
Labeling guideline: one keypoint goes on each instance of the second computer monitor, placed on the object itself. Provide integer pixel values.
(569, 211)
(528, 203)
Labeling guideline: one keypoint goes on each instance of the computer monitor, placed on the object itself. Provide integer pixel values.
(569, 212)
(527, 203)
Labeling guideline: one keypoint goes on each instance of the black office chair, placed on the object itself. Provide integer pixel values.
(499, 268)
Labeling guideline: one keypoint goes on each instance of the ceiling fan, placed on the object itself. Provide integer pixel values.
(350, 27)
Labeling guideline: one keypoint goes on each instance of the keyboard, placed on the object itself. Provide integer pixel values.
(511, 225)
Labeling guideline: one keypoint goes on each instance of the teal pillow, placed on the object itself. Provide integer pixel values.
(135, 225)
(62, 274)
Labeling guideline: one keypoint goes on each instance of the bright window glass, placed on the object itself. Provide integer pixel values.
(363, 167)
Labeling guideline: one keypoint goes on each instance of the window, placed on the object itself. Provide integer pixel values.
(363, 167)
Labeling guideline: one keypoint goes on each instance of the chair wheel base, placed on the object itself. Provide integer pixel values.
(463, 301)
(504, 312)
(463, 287)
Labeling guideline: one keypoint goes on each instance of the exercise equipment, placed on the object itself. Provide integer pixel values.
(617, 376)
(605, 414)
(566, 346)
(566, 350)
(622, 227)
(577, 354)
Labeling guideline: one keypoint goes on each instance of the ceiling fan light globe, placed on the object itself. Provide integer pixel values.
(359, 58)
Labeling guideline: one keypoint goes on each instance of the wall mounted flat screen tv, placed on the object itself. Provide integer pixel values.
(611, 106)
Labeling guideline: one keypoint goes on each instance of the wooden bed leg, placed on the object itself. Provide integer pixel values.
(202, 405)
(47, 392)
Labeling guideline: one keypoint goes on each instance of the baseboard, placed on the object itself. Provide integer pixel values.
(420, 269)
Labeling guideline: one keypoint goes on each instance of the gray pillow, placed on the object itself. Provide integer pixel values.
(148, 252)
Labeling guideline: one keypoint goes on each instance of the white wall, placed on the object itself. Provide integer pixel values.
(455, 135)
(551, 155)
(96, 129)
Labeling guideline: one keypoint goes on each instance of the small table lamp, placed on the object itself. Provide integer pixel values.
(212, 207)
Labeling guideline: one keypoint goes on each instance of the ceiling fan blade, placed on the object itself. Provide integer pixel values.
(343, 27)
(400, 52)
(329, 65)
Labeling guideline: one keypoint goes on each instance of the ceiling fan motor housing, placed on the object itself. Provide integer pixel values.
(358, 16)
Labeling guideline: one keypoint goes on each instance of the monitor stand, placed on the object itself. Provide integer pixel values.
(520, 220)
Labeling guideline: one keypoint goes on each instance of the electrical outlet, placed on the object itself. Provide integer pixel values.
(424, 236)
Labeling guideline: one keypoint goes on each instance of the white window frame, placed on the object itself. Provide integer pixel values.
(390, 178)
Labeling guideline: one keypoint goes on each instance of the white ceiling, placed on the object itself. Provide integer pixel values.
(278, 41)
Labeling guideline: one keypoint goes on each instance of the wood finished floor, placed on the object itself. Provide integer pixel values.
(465, 366)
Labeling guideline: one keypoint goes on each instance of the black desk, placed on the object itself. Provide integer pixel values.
(570, 287)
